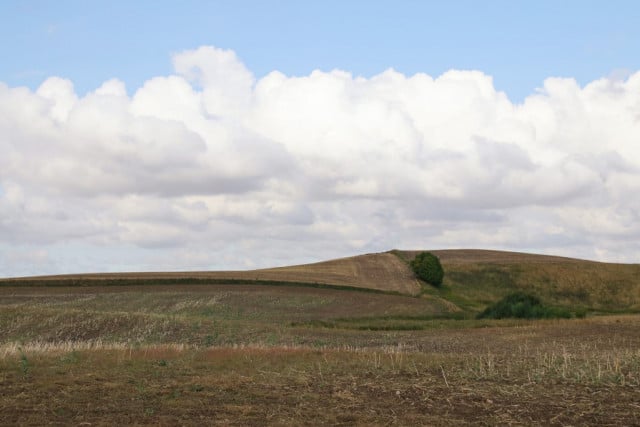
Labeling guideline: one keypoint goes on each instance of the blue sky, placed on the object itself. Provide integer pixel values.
(157, 135)
(518, 43)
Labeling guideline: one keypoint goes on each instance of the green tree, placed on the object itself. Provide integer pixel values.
(428, 268)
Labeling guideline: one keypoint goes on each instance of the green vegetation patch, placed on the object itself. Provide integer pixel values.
(386, 323)
(522, 306)
(496, 276)
(428, 268)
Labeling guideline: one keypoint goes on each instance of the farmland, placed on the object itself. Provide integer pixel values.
(275, 347)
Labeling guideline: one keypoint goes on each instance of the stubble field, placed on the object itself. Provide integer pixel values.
(255, 355)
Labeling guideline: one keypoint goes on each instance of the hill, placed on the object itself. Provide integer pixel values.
(473, 278)
(380, 271)
(477, 278)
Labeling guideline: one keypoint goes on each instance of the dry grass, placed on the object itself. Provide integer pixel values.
(198, 315)
(476, 256)
(382, 271)
(536, 374)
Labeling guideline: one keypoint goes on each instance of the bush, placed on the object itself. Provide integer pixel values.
(522, 306)
(428, 268)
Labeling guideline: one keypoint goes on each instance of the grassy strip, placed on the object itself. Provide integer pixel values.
(388, 323)
(437, 322)
(421, 317)
(182, 281)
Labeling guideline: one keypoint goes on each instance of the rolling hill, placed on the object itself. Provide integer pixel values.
(380, 271)
(473, 278)
(477, 278)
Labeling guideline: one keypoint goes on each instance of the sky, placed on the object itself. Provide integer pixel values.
(145, 135)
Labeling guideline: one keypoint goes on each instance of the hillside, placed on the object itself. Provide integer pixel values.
(380, 271)
(476, 278)
(471, 256)
(473, 278)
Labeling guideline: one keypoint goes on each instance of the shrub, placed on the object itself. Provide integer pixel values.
(522, 306)
(581, 313)
(428, 268)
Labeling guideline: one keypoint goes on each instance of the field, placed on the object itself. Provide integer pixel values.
(382, 271)
(162, 349)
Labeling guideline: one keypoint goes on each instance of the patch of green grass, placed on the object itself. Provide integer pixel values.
(522, 306)
(402, 323)
(24, 363)
(70, 358)
(576, 287)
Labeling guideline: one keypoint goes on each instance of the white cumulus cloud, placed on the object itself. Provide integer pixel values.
(211, 167)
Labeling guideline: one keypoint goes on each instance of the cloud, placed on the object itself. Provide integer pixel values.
(226, 83)
(211, 160)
